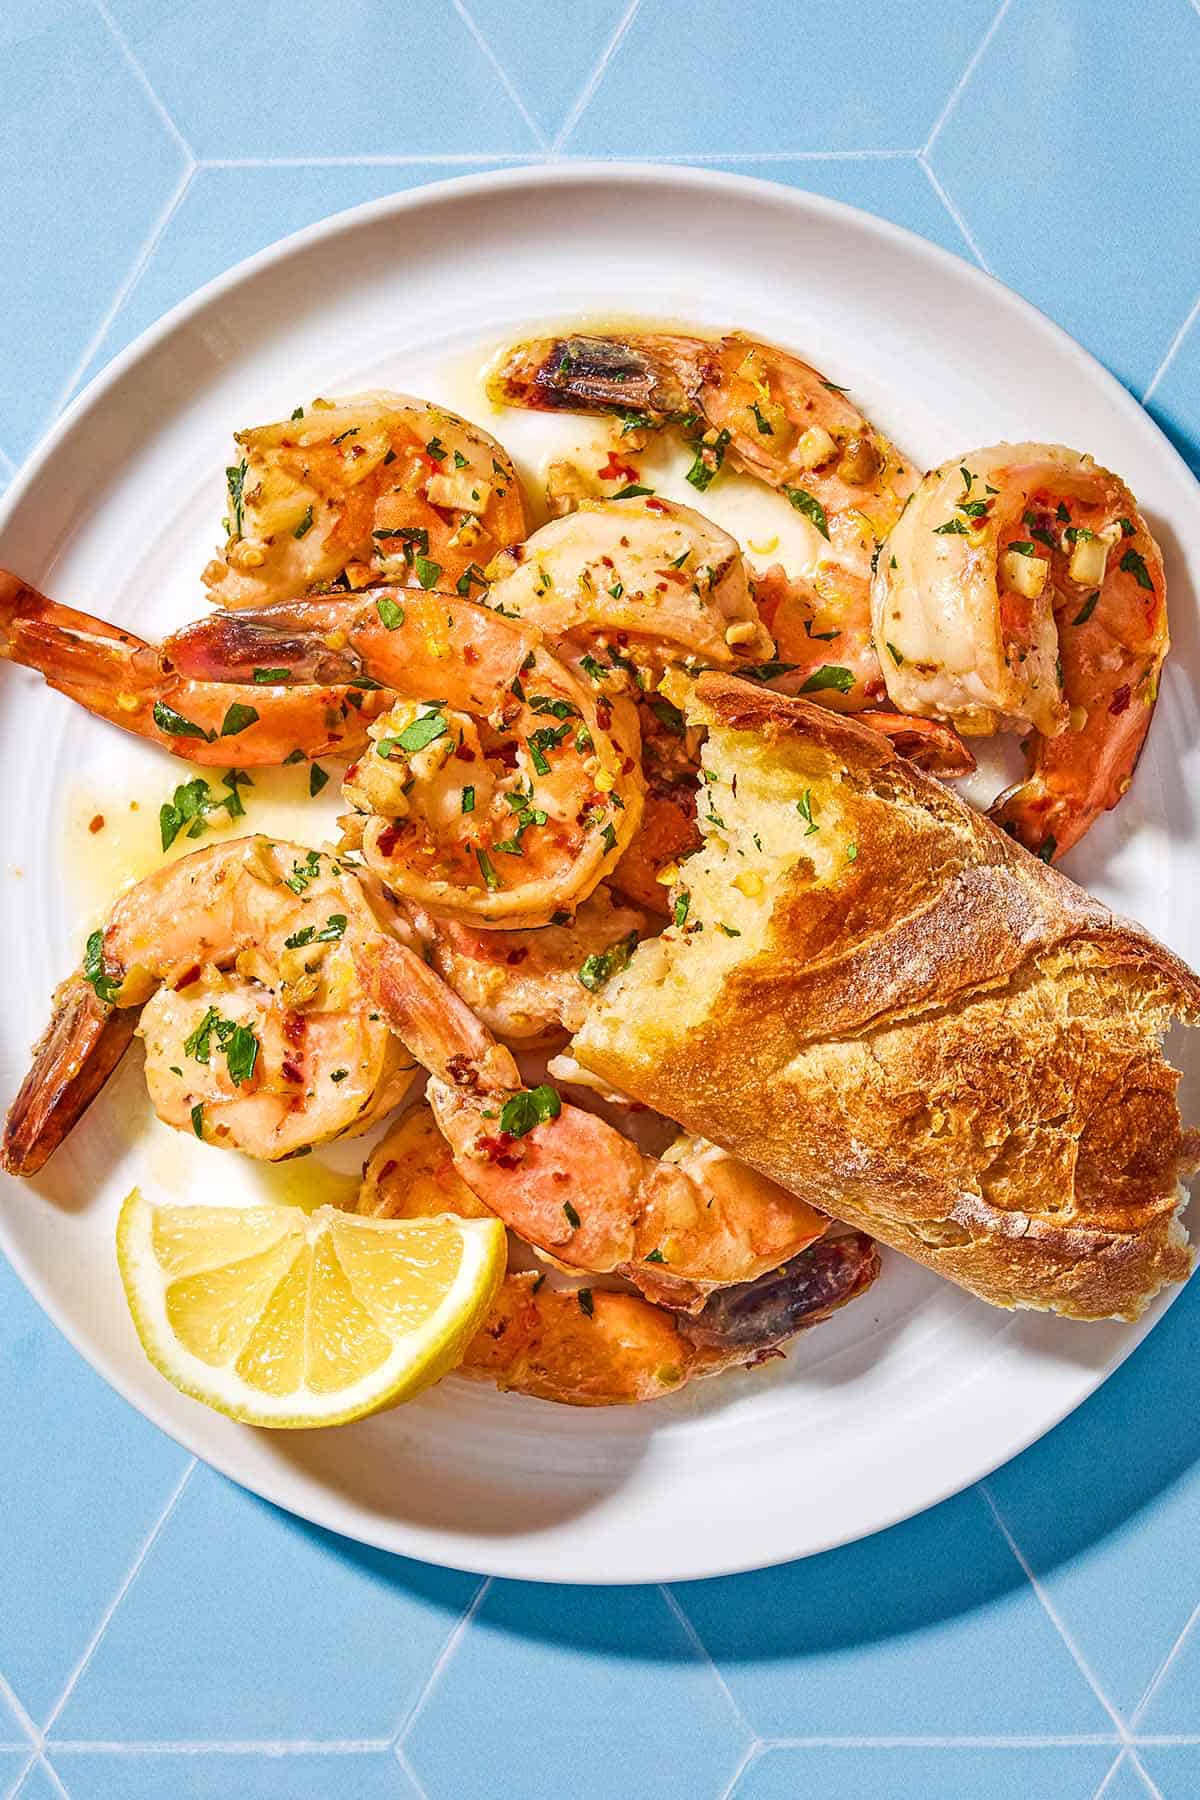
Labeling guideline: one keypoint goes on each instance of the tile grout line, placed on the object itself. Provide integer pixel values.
(956, 92)
(1111, 1771)
(124, 1587)
(443, 1658)
(219, 1747)
(784, 156)
(952, 209)
(1152, 1787)
(750, 1754)
(21, 1715)
(932, 1741)
(502, 75)
(1157, 1678)
(410, 1772)
(1052, 1614)
(126, 49)
(138, 268)
(450, 159)
(702, 1651)
(10, 1793)
(1175, 343)
(52, 1775)
(587, 92)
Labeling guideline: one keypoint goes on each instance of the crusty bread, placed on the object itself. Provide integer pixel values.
(881, 1001)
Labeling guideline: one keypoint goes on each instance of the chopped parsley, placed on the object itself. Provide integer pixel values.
(235, 481)
(1087, 609)
(528, 1108)
(238, 718)
(175, 725)
(391, 614)
(468, 799)
(1134, 564)
(766, 429)
(332, 932)
(472, 576)
(428, 573)
(655, 1256)
(304, 874)
(829, 675)
(679, 911)
(306, 523)
(805, 809)
(708, 460)
(102, 984)
(895, 655)
(263, 677)
(191, 803)
(490, 878)
(632, 490)
(810, 506)
(571, 1215)
(198, 1119)
(587, 1305)
(317, 779)
(952, 528)
(421, 733)
(237, 1043)
(602, 965)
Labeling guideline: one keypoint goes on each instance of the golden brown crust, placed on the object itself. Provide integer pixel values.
(948, 1044)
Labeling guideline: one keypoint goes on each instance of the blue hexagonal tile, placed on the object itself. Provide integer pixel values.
(1173, 1768)
(744, 75)
(86, 168)
(894, 187)
(1175, 398)
(246, 1624)
(550, 66)
(305, 78)
(587, 1691)
(1105, 1510)
(928, 1629)
(909, 1771)
(94, 1479)
(230, 1775)
(227, 214)
(1072, 156)
(1173, 1707)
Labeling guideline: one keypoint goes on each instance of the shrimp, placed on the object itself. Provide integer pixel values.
(1022, 591)
(529, 986)
(121, 678)
(652, 578)
(500, 787)
(592, 1346)
(677, 1226)
(375, 487)
(762, 410)
(257, 1031)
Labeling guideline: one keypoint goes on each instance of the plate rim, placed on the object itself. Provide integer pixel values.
(533, 178)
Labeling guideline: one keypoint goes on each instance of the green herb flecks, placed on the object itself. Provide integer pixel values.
(528, 1108)
(602, 965)
(810, 506)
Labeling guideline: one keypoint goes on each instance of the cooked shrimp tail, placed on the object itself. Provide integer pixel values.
(800, 1293)
(72, 1060)
(591, 1346)
(676, 1226)
(648, 374)
(119, 677)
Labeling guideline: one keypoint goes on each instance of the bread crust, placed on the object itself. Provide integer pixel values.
(949, 1045)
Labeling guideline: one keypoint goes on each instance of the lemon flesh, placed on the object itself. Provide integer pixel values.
(284, 1318)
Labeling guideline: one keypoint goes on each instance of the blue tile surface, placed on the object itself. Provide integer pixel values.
(94, 1478)
(146, 145)
(821, 1772)
(289, 1634)
(889, 1637)
(1064, 90)
(195, 1775)
(572, 1670)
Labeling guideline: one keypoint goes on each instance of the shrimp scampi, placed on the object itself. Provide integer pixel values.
(258, 1033)
(676, 1226)
(501, 785)
(591, 1346)
(375, 487)
(1022, 591)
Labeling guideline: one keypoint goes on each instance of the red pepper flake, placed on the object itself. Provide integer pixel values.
(499, 1150)
(96, 824)
(515, 956)
(653, 505)
(290, 1072)
(470, 655)
(464, 753)
(614, 470)
(187, 978)
(389, 837)
(1120, 700)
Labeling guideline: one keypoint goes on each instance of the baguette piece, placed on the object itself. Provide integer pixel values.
(884, 1003)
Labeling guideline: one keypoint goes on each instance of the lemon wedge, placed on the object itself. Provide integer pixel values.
(284, 1318)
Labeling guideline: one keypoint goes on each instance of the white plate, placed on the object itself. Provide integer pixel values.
(906, 1396)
